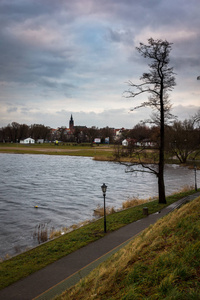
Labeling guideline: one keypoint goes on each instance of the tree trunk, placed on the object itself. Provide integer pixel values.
(161, 185)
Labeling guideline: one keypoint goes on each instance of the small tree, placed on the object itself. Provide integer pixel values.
(157, 83)
(183, 139)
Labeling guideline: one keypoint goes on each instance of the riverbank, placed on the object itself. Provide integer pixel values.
(160, 263)
(29, 262)
(100, 152)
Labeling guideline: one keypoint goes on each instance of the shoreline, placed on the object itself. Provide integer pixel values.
(53, 250)
(98, 153)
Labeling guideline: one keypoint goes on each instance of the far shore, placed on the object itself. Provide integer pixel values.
(100, 152)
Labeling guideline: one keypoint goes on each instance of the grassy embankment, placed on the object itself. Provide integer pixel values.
(161, 263)
(29, 262)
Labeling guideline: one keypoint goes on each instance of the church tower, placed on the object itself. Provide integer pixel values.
(71, 123)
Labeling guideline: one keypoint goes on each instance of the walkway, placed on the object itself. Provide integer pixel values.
(57, 277)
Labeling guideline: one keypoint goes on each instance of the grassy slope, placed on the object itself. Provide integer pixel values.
(161, 263)
(33, 260)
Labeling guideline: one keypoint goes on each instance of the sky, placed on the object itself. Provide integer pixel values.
(65, 57)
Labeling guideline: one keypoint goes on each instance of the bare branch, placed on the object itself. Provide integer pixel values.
(146, 168)
(156, 83)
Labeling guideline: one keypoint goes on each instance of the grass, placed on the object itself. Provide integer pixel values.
(33, 260)
(163, 262)
(99, 211)
(134, 202)
(101, 152)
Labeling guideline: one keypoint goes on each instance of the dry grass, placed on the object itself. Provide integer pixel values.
(186, 188)
(134, 202)
(54, 233)
(103, 158)
(99, 211)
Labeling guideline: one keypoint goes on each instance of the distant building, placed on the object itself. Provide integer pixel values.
(129, 142)
(40, 141)
(97, 141)
(71, 124)
(125, 143)
(27, 141)
(118, 133)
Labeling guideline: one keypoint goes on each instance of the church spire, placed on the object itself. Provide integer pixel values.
(71, 123)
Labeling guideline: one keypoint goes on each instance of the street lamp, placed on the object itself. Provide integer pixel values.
(195, 167)
(195, 177)
(104, 188)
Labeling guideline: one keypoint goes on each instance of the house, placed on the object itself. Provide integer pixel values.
(129, 142)
(40, 141)
(145, 143)
(27, 141)
(125, 143)
(118, 133)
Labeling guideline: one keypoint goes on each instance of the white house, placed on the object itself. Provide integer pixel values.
(27, 141)
(125, 143)
(40, 141)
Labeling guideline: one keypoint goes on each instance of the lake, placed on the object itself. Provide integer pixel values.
(66, 190)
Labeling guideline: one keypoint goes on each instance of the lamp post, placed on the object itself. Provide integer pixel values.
(195, 177)
(195, 167)
(104, 188)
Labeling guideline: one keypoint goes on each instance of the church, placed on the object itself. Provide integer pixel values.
(71, 124)
(72, 127)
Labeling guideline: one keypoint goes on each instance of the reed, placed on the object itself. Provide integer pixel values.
(41, 233)
(186, 188)
(133, 202)
(99, 211)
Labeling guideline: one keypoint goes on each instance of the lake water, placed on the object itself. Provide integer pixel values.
(66, 190)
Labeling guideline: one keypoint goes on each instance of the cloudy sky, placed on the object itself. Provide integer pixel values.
(65, 57)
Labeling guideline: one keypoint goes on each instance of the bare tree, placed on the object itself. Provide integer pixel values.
(156, 83)
(196, 120)
(183, 140)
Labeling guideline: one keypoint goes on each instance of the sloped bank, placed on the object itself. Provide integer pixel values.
(161, 263)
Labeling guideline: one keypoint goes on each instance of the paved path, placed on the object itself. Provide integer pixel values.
(55, 278)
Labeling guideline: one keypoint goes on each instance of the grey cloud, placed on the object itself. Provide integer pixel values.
(53, 84)
(23, 9)
(25, 110)
(182, 63)
(120, 36)
(86, 49)
(12, 109)
(185, 112)
(23, 61)
(22, 64)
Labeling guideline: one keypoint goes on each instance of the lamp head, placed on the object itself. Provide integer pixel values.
(104, 188)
